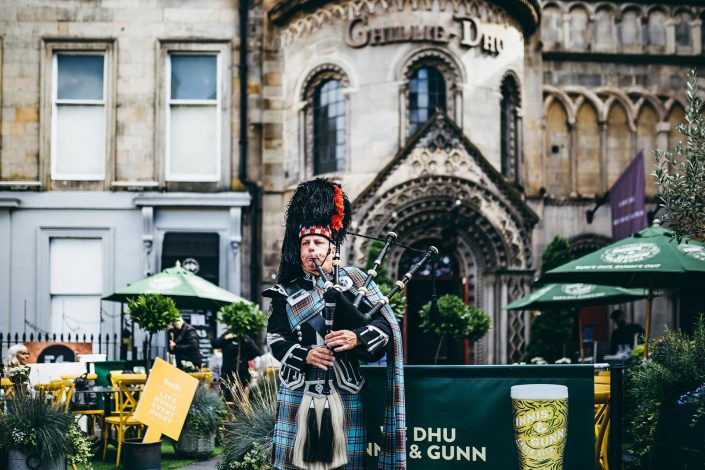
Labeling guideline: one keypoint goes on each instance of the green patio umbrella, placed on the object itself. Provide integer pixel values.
(650, 258)
(186, 289)
(575, 295)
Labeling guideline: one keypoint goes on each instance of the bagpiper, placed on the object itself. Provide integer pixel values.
(320, 337)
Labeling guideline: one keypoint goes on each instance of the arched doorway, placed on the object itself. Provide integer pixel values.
(422, 346)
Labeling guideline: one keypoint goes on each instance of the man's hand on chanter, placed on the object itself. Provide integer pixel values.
(341, 340)
(320, 357)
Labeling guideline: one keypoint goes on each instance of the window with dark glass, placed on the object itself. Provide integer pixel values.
(509, 127)
(427, 93)
(328, 128)
(683, 29)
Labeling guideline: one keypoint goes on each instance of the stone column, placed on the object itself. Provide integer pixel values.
(567, 43)
(573, 129)
(234, 264)
(662, 130)
(603, 156)
(670, 36)
(6, 205)
(696, 36)
(148, 240)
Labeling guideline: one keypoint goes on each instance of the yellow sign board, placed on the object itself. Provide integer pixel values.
(165, 401)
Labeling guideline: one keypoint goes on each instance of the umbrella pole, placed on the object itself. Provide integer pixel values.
(580, 336)
(649, 301)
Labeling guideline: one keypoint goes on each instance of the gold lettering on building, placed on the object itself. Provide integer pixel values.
(471, 33)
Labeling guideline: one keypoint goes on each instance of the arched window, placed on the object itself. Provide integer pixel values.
(510, 128)
(427, 93)
(683, 21)
(328, 127)
(579, 34)
(657, 28)
(323, 124)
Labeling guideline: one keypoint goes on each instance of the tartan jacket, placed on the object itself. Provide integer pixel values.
(296, 313)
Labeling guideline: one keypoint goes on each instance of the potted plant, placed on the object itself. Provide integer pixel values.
(455, 320)
(249, 432)
(666, 404)
(203, 420)
(242, 319)
(40, 435)
(153, 313)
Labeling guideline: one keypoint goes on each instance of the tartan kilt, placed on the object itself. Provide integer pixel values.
(285, 428)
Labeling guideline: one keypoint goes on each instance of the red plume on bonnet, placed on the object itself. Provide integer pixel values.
(336, 220)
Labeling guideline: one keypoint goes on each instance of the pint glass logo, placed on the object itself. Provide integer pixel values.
(578, 289)
(631, 253)
(697, 252)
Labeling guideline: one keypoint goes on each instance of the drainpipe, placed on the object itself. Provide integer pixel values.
(251, 186)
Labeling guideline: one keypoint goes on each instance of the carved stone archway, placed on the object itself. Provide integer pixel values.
(440, 187)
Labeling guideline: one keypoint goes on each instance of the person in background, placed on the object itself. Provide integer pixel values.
(626, 334)
(17, 355)
(17, 368)
(229, 370)
(184, 344)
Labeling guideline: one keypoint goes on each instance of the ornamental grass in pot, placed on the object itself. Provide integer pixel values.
(248, 435)
(38, 435)
(665, 404)
(204, 419)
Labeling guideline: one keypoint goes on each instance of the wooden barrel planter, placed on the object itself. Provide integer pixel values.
(677, 445)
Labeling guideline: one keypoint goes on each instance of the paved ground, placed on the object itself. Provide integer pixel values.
(205, 465)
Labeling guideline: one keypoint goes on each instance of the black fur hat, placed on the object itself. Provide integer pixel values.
(318, 202)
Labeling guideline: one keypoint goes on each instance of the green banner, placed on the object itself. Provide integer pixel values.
(461, 416)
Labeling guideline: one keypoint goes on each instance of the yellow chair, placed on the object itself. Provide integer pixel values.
(8, 386)
(91, 415)
(75, 376)
(129, 386)
(602, 425)
(59, 391)
(205, 377)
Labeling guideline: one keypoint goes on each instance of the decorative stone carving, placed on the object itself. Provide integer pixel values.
(346, 11)
(442, 181)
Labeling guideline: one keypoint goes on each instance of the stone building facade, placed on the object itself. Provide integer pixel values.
(541, 107)
(484, 127)
(119, 134)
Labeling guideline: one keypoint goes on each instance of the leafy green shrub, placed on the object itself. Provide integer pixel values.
(242, 319)
(680, 173)
(153, 313)
(675, 367)
(455, 319)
